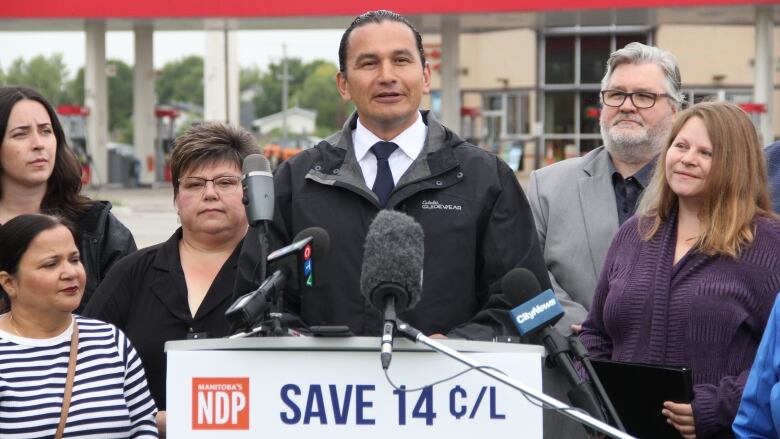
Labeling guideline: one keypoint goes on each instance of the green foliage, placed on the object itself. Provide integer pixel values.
(45, 74)
(120, 98)
(123, 133)
(249, 76)
(311, 85)
(120, 102)
(74, 89)
(319, 92)
(181, 81)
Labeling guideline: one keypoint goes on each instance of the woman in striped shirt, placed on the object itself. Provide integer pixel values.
(42, 281)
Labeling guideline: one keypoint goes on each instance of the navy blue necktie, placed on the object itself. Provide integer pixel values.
(383, 184)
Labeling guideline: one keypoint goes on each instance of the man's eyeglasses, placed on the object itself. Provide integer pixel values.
(224, 184)
(640, 99)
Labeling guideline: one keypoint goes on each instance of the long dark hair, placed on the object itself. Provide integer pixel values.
(63, 190)
(16, 236)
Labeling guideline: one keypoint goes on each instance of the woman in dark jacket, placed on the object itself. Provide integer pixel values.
(182, 287)
(39, 173)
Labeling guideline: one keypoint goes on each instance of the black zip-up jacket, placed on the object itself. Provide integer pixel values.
(103, 240)
(474, 214)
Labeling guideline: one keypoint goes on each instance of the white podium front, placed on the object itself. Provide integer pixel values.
(312, 387)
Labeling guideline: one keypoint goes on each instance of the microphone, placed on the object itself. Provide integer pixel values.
(538, 313)
(520, 286)
(391, 275)
(258, 185)
(293, 269)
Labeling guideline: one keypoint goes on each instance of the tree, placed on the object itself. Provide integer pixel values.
(120, 98)
(249, 77)
(74, 89)
(318, 92)
(47, 75)
(270, 100)
(311, 85)
(181, 81)
(120, 101)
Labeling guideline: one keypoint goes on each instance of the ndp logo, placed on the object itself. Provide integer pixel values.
(220, 403)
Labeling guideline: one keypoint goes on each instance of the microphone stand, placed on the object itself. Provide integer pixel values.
(418, 337)
(581, 354)
(269, 326)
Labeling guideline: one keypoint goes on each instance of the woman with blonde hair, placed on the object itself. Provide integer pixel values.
(690, 280)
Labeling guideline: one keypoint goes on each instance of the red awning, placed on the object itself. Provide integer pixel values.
(244, 9)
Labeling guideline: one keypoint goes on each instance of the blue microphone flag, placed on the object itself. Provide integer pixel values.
(536, 313)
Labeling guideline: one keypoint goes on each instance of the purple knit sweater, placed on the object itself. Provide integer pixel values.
(705, 312)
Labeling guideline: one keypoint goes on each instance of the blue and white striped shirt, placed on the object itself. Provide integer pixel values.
(110, 395)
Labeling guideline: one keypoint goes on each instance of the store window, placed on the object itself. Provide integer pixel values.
(559, 62)
(517, 111)
(507, 124)
(590, 110)
(559, 112)
(595, 52)
(573, 65)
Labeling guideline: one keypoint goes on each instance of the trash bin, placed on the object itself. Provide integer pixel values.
(121, 165)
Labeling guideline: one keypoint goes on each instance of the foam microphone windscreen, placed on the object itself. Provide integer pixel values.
(255, 163)
(520, 286)
(393, 256)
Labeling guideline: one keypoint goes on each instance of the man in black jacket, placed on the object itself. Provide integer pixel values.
(389, 155)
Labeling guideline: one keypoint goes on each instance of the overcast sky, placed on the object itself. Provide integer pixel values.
(254, 47)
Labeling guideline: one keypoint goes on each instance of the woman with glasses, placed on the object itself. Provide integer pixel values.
(691, 279)
(40, 174)
(181, 288)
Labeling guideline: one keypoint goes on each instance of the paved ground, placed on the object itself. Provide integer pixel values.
(149, 212)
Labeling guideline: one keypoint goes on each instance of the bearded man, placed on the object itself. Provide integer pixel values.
(579, 203)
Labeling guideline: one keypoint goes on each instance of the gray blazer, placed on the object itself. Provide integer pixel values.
(573, 203)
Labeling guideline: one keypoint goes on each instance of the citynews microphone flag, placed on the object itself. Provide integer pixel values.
(544, 309)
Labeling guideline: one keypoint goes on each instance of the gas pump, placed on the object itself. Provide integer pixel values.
(468, 124)
(74, 122)
(163, 142)
(756, 111)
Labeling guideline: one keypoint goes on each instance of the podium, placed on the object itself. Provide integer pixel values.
(321, 387)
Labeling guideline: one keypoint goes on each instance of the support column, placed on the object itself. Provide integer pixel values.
(450, 72)
(96, 99)
(221, 77)
(144, 127)
(233, 79)
(764, 67)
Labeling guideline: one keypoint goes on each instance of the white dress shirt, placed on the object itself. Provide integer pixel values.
(410, 142)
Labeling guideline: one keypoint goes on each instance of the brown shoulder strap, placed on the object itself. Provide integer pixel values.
(74, 351)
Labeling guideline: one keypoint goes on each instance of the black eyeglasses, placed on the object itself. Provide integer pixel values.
(640, 99)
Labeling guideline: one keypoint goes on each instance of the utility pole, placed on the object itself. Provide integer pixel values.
(285, 78)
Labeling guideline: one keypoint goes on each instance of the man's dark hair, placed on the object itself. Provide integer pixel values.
(375, 17)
